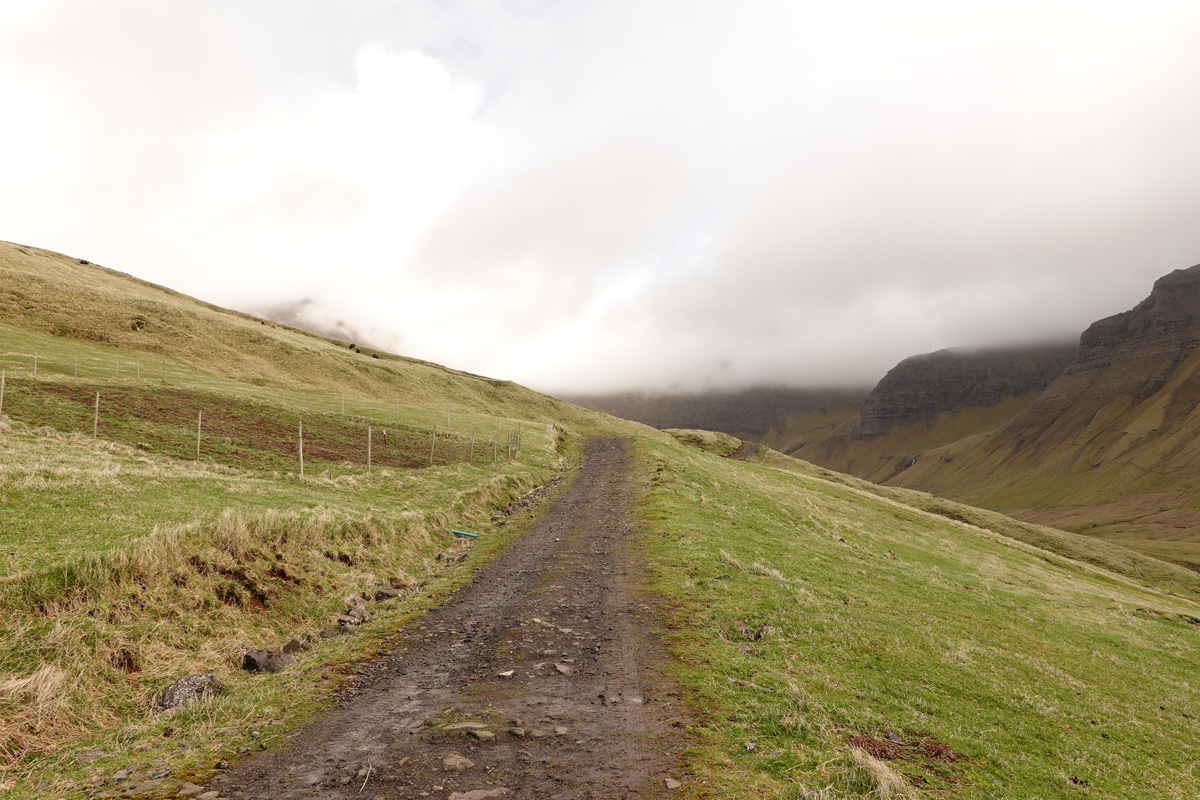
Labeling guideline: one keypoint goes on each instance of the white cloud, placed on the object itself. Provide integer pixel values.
(626, 193)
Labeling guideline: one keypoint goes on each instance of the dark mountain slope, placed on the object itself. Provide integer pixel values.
(781, 417)
(1112, 447)
(933, 399)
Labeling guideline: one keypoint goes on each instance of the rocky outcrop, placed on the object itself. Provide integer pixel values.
(188, 689)
(1108, 449)
(920, 388)
(1129, 355)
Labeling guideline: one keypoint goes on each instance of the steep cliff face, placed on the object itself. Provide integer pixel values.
(920, 388)
(933, 399)
(780, 417)
(1112, 447)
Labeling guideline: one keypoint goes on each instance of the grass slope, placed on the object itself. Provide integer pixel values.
(878, 458)
(55, 305)
(845, 644)
(1125, 473)
(811, 614)
(126, 561)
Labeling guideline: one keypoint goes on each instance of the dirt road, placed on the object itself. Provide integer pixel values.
(538, 680)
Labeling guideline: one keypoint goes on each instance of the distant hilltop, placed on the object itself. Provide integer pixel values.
(780, 417)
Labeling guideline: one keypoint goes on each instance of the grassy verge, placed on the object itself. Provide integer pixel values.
(129, 570)
(839, 644)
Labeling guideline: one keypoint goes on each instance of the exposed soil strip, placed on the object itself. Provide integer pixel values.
(746, 450)
(541, 674)
(237, 431)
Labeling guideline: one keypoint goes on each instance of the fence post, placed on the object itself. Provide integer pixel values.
(495, 448)
(432, 443)
(96, 417)
(471, 455)
(1, 391)
(301, 448)
(369, 449)
(199, 421)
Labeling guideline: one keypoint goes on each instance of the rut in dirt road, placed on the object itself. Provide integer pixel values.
(538, 680)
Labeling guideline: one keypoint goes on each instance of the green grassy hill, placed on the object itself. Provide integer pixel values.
(847, 640)
(834, 638)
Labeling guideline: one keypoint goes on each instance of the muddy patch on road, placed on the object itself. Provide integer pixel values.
(540, 679)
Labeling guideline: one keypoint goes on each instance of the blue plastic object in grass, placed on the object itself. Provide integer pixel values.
(464, 533)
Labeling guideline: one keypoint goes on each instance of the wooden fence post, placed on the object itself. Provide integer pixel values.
(432, 443)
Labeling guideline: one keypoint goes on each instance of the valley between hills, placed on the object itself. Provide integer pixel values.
(1096, 437)
(240, 560)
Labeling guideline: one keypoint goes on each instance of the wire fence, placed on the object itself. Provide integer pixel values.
(150, 402)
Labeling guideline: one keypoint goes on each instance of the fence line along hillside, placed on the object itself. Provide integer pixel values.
(165, 406)
(49, 301)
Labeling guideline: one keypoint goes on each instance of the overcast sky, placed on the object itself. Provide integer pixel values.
(618, 194)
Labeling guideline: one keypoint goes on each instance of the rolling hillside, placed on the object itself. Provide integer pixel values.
(833, 638)
(67, 298)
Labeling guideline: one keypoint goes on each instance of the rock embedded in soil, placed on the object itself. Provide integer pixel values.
(265, 661)
(386, 593)
(455, 762)
(671, 783)
(483, 736)
(479, 794)
(465, 726)
(185, 690)
(293, 645)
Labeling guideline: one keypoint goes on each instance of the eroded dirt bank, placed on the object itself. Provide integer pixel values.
(540, 675)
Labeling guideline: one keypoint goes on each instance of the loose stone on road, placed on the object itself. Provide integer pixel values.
(541, 679)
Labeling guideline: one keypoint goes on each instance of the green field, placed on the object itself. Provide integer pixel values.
(812, 619)
(834, 638)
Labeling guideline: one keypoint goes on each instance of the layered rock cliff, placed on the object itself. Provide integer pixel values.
(932, 399)
(1112, 446)
(920, 388)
